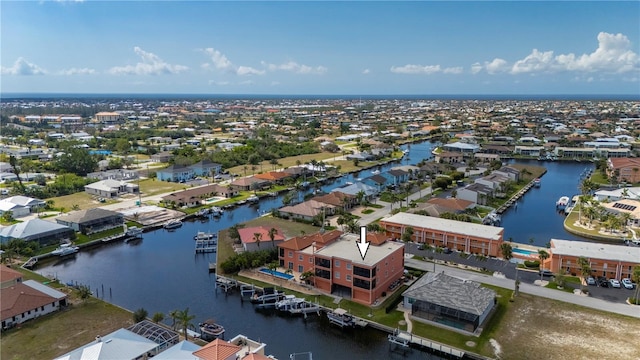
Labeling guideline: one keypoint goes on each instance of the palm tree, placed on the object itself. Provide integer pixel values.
(272, 236)
(245, 168)
(158, 317)
(585, 270)
(542, 255)
(173, 314)
(507, 251)
(257, 237)
(272, 266)
(184, 319)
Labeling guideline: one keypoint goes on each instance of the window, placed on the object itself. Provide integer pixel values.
(348, 277)
(337, 263)
(325, 274)
(348, 266)
(300, 257)
(311, 260)
(300, 268)
(290, 265)
(337, 274)
(281, 252)
(361, 272)
(290, 254)
(323, 262)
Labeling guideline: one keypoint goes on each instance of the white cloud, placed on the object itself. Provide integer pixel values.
(151, 65)
(294, 67)
(614, 55)
(425, 69)
(221, 62)
(77, 71)
(22, 67)
(496, 66)
(453, 70)
(218, 83)
(366, 71)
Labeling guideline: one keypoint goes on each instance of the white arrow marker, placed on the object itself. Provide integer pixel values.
(363, 245)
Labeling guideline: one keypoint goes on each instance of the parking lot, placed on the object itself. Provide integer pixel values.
(618, 295)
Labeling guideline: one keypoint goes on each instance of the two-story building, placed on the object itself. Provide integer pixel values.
(456, 235)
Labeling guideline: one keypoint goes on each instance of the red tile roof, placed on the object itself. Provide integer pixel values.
(217, 350)
(247, 234)
(20, 298)
(453, 203)
(303, 242)
(8, 274)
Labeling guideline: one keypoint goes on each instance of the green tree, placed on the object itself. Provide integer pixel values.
(407, 234)
(139, 315)
(507, 251)
(542, 255)
(84, 292)
(257, 237)
(272, 266)
(635, 277)
(173, 314)
(15, 168)
(585, 270)
(158, 317)
(559, 278)
(272, 236)
(184, 320)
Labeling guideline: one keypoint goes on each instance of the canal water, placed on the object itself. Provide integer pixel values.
(161, 272)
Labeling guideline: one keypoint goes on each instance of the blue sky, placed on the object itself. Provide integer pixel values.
(351, 48)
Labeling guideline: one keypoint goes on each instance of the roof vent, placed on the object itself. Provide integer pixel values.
(98, 338)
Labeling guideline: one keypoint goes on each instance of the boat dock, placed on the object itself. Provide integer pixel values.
(212, 267)
(206, 246)
(514, 199)
(405, 339)
(305, 308)
(226, 283)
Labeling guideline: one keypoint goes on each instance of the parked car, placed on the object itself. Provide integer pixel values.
(545, 272)
(614, 283)
(602, 282)
(447, 251)
(627, 283)
(591, 280)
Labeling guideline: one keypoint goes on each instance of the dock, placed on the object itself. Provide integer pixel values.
(514, 199)
(206, 246)
(306, 308)
(405, 339)
(212, 267)
(226, 283)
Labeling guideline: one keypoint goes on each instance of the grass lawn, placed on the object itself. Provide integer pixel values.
(150, 187)
(82, 199)
(288, 227)
(55, 334)
(572, 218)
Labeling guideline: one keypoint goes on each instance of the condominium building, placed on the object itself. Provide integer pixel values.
(456, 235)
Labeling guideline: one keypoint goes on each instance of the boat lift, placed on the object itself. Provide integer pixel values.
(225, 283)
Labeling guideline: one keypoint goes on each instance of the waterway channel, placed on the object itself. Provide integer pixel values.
(161, 273)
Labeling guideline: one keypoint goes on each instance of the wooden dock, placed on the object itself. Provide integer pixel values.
(226, 283)
(206, 246)
(514, 199)
(405, 339)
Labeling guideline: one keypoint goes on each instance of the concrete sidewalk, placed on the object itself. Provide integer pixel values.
(586, 301)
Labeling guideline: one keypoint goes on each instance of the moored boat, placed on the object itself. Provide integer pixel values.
(172, 224)
(253, 199)
(201, 235)
(269, 297)
(562, 202)
(209, 330)
(65, 249)
(134, 231)
(536, 183)
(341, 318)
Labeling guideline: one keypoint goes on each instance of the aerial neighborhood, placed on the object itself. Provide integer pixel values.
(423, 183)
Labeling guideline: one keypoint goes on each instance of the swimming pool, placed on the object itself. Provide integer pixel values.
(277, 274)
(524, 252)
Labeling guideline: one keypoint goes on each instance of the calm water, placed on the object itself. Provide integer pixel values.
(161, 273)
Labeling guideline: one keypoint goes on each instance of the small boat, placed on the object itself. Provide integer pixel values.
(269, 297)
(65, 249)
(253, 199)
(210, 330)
(202, 212)
(134, 231)
(536, 183)
(201, 235)
(341, 318)
(375, 172)
(289, 302)
(216, 211)
(172, 224)
(562, 202)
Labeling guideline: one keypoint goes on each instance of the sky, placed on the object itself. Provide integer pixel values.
(320, 48)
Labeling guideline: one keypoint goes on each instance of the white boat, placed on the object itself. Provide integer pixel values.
(201, 235)
(375, 172)
(202, 212)
(134, 231)
(562, 202)
(172, 224)
(65, 249)
(536, 183)
(341, 318)
(216, 211)
(289, 302)
(253, 199)
(210, 330)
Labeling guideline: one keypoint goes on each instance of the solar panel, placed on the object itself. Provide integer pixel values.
(624, 207)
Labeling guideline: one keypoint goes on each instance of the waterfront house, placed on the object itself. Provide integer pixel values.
(110, 189)
(238, 348)
(494, 181)
(378, 182)
(452, 205)
(120, 344)
(395, 177)
(337, 199)
(194, 196)
(275, 177)
(297, 253)
(257, 238)
(26, 300)
(528, 150)
(15, 209)
(624, 169)
(41, 231)
(250, 183)
(449, 157)
(464, 148)
(449, 301)
(509, 172)
(308, 210)
(91, 221)
(370, 192)
(456, 235)
(339, 268)
(477, 193)
(610, 261)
